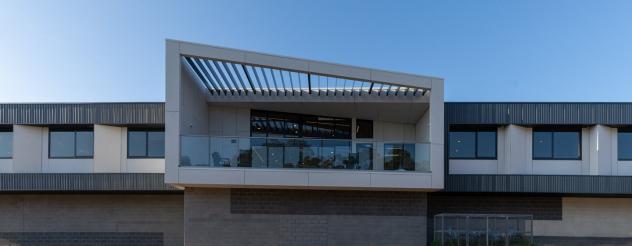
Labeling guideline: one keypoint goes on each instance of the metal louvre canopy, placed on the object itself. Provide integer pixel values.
(225, 78)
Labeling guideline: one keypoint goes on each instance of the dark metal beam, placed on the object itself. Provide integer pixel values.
(243, 67)
(221, 73)
(196, 71)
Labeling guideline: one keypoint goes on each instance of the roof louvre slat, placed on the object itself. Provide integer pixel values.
(224, 77)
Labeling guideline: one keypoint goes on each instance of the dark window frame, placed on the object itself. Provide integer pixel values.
(146, 156)
(475, 130)
(622, 130)
(553, 131)
(7, 129)
(74, 149)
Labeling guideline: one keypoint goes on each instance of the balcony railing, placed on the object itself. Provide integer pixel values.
(267, 152)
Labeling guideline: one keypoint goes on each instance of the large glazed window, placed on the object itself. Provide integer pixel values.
(624, 145)
(6, 144)
(557, 144)
(64, 143)
(145, 144)
(288, 125)
(472, 144)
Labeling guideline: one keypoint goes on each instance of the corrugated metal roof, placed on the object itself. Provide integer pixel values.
(84, 182)
(539, 113)
(577, 184)
(83, 113)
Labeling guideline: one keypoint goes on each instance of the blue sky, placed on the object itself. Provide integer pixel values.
(82, 51)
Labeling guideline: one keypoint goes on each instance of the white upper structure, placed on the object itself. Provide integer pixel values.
(244, 119)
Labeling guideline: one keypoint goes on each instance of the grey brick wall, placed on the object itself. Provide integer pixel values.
(303, 217)
(81, 238)
(327, 202)
(111, 219)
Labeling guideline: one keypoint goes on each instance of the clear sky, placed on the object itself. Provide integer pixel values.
(77, 51)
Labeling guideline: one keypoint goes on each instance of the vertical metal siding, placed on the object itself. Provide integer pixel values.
(578, 184)
(539, 113)
(83, 113)
(84, 182)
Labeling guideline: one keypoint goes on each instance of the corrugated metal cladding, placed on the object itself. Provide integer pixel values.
(83, 113)
(539, 113)
(84, 182)
(577, 184)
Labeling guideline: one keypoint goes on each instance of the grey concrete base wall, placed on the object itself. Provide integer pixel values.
(265, 217)
(91, 219)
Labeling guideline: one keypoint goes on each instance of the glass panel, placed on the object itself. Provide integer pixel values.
(311, 153)
(224, 151)
(342, 128)
(258, 124)
(293, 126)
(328, 153)
(62, 144)
(566, 145)
(276, 124)
(342, 150)
(462, 145)
(624, 145)
(275, 153)
(326, 127)
(364, 129)
(156, 144)
(486, 145)
(194, 151)
(542, 145)
(392, 156)
(259, 152)
(408, 157)
(136, 143)
(365, 156)
(291, 153)
(6, 144)
(85, 144)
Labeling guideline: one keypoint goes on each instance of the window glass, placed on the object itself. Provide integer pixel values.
(288, 125)
(486, 145)
(62, 144)
(566, 145)
(258, 124)
(155, 144)
(364, 128)
(136, 143)
(624, 145)
(84, 144)
(6, 144)
(399, 157)
(462, 144)
(542, 145)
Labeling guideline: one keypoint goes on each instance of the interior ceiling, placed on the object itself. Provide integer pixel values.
(389, 112)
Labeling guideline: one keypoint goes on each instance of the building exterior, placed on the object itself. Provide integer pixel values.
(86, 174)
(258, 149)
(299, 152)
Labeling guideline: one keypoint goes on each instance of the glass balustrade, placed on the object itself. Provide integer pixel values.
(266, 152)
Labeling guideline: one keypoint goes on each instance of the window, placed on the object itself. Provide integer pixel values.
(624, 145)
(399, 157)
(557, 145)
(145, 144)
(6, 144)
(364, 128)
(288, 125)
(71, 143)
(472, 144)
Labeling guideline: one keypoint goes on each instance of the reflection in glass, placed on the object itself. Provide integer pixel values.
(365, 156)
(6, 144)
(399, 157)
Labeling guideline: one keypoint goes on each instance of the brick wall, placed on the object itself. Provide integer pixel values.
(110, 219)
(303, 217)
(81, 238)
